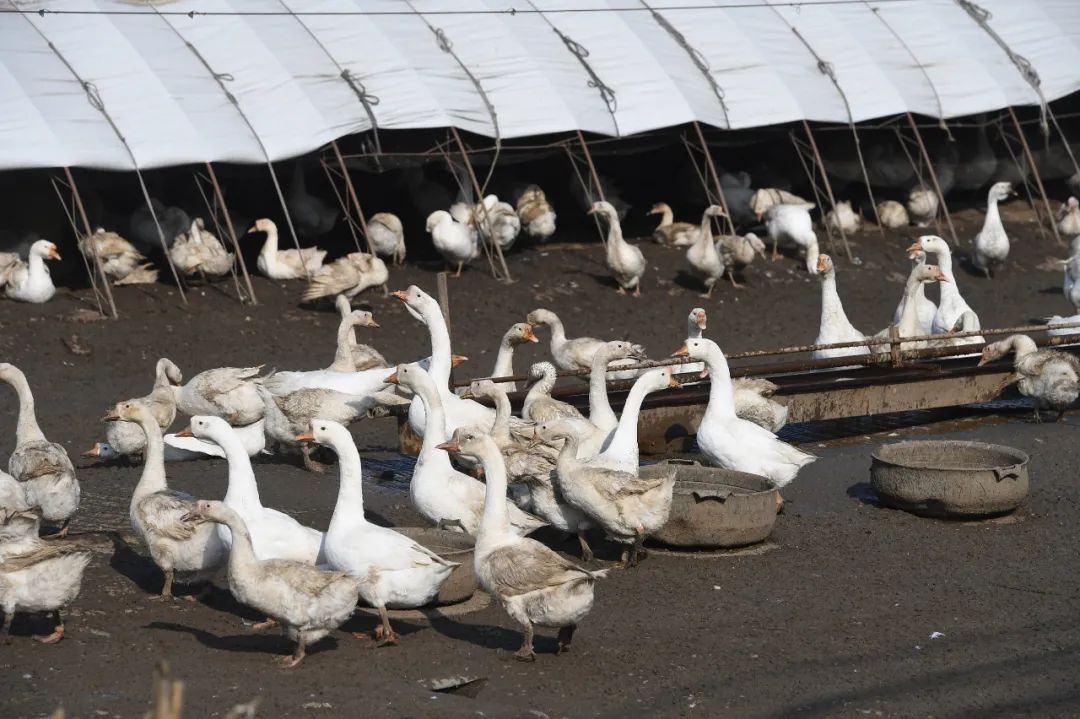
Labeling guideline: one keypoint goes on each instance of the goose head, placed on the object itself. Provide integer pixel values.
(993, 351)
(1072, 204)
(618, 349)
(411, 377)
(521, 333)
(554, 430)
(206, 510)
(929, 243)
(756, 243)
(103, 451)
(698, 318)
(471, 442)
(1000, 191)
(439, 217)
(825, 266)
(695, 349)
(264, 224)
(604, 208)
(659, 208)
(417, 302)
(542, 370)
(715, 211)
(658, 379)
(929, 273)
(326, 433)
(45, 250)
(362, 318)
(128, 411)
(208, 427)
(542, 317)
(483, 388)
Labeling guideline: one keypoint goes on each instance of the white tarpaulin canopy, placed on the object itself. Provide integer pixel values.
(114, 85)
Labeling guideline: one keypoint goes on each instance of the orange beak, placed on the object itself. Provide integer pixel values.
(940, 276)
(701, 321)
(251, 229)
(94, 451)
(983, 360)
(305, 437)
(821, 262)
(917, 247)
(450, 446)
(529, 335)
(455, 360)
(110, 416)
(53, 253)
(401, 295)
(392, 379)
(185, 432)
(681, 352)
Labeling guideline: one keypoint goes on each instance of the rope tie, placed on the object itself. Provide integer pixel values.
(696, 56)
(358, 87)
(607, 94)
(982, 17)
(444, 42)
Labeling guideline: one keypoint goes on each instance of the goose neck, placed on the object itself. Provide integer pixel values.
(435, 423)
(495, 521)
(346, 340)
(350, 500)
(241, 553)
(153, 473)
(440, 347)
(504, 360)
(242, 489)
(600, 412)
(500, 430)
(721, 393)
(832, 308)
(27, 429)
(667, 217)
(626, 431)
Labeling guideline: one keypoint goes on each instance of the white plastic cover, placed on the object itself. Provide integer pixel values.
(251, 80)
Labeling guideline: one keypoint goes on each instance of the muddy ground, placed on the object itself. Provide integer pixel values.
(832, 617)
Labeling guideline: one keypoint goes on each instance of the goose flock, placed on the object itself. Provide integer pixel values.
(462, 232)
(552, 465)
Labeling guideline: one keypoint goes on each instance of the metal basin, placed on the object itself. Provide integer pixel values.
(715, 508)
(950, 478)
(452, 546)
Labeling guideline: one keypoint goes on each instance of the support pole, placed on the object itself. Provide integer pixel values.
(715, 177)
(86, 226)
(212, 213)
(352, 195)
(443, 291)
(828, 185)
(933, 178)
(480, 203)
(1035, 174)
(219, 196)
(594, 178)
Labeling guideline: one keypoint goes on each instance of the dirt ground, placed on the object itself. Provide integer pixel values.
(832, 617)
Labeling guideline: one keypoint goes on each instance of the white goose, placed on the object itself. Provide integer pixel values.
(350, 355)
(623, 259)
(1051, 378)
(226, 392)
(41, 466)
(792, 223)
(387, 236)
(843, 218)
(30, 281)
(128, 438)
(457, 242)
(539, 405)
(519, 333)
(536, 213)
(620, 449)
(1068, 220)
(156, 511)
(992, 242)
(951, 307)
(834, 326)
(670, 233)
(924, 306)
(393, 570)
(457, 410)
(703, 255)
(274, 534)
(892, 214)
(922, 206)
(498, 222)
(1071, 285)
(536, 586)
(285, 264)
(576, 353)
(733, 443)
(443, 495)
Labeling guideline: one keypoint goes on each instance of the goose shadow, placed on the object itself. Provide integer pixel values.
(489, 636)
(140, 570)
(689, 282)
(604, 280)
(270, 643)
(864, 492)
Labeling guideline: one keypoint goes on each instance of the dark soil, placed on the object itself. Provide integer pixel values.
(835, 619)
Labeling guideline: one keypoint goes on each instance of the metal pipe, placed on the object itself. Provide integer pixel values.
(828, 185)
(219, 196)
(1035, 174)
(86, 226)
(352, 195)
(483, 210)
(715, 177)
(933, 178)
(846, 361)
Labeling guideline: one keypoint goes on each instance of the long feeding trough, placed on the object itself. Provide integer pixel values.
(950, 478)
